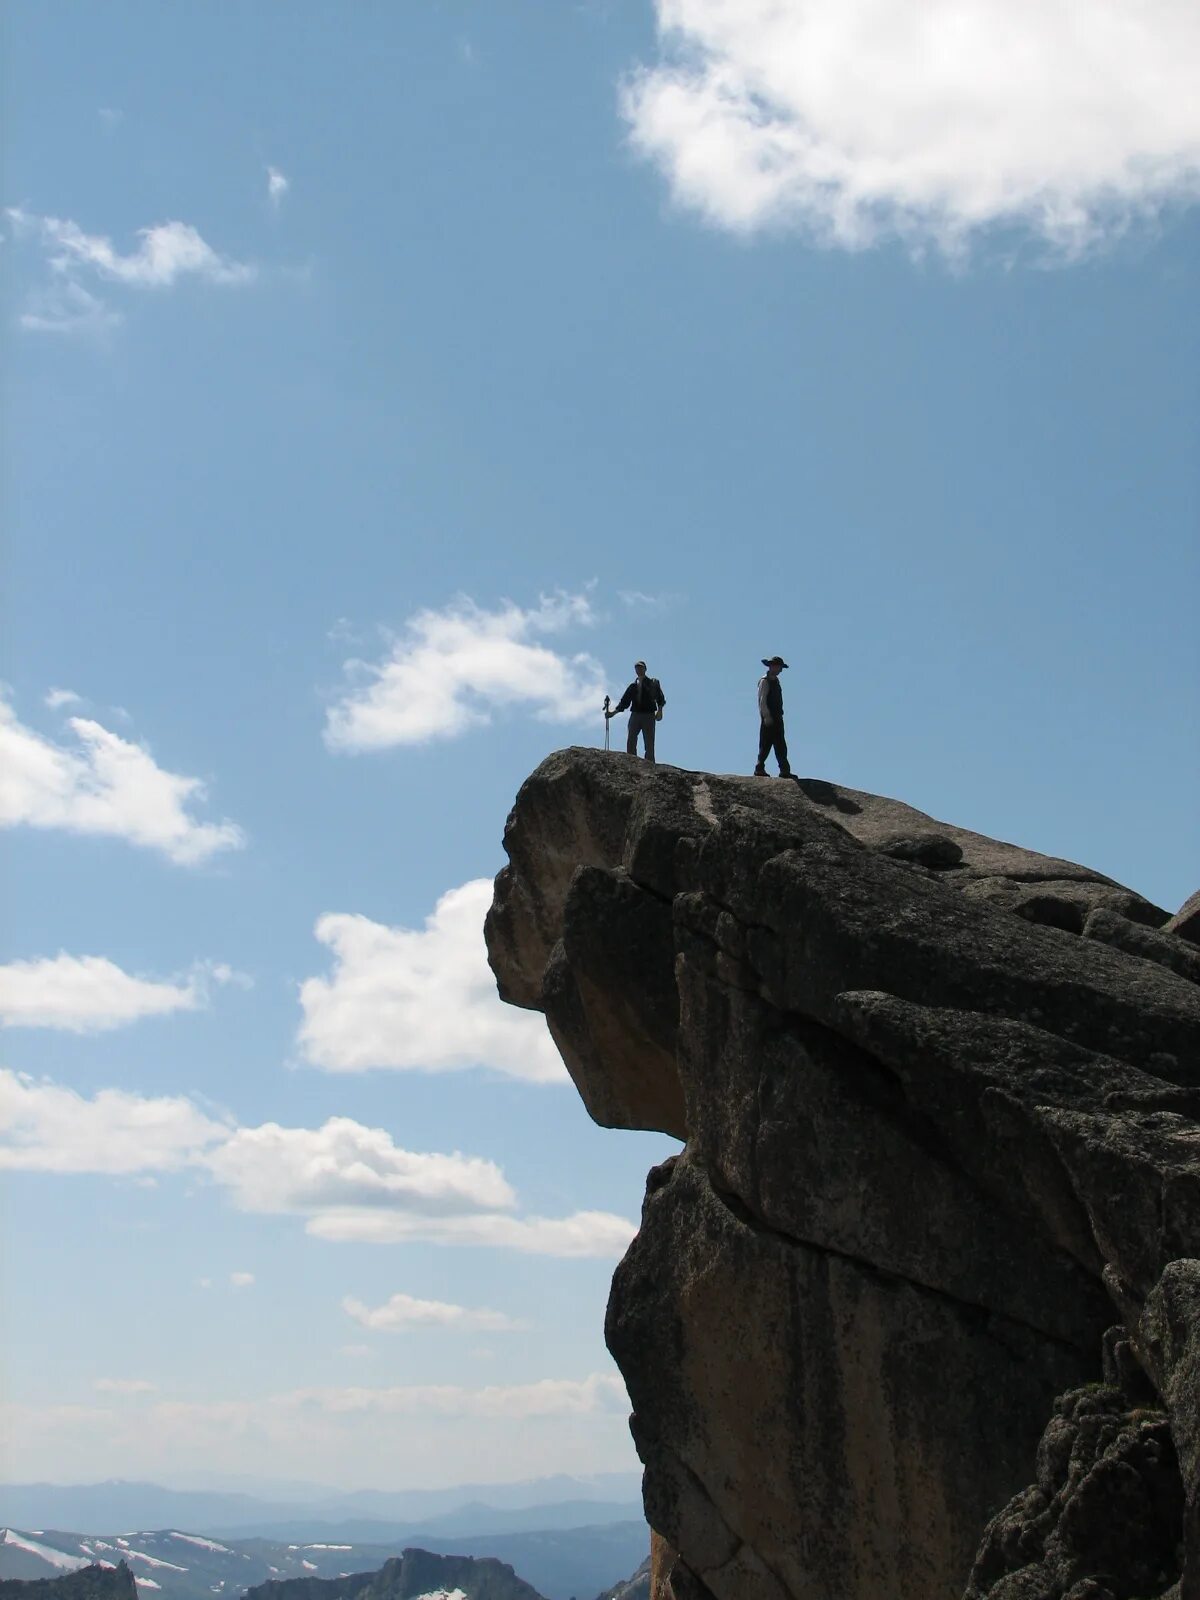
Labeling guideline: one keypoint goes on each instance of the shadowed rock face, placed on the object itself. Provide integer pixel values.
(940, 1100)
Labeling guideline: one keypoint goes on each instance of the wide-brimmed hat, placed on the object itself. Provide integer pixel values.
(773, 661)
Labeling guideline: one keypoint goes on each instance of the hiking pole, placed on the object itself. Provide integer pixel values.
(607, 725)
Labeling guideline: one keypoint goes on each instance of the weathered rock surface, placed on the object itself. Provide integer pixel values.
(940, 1098)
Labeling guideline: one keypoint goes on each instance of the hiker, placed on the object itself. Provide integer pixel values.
(770, 712)
(645, 700)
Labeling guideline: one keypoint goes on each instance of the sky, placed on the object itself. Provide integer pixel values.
(380, 382)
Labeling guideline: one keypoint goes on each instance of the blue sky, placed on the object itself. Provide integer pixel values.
(380, 382)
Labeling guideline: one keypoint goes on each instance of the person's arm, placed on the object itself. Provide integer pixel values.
(660, 698)
(624, 702)
(764, 700)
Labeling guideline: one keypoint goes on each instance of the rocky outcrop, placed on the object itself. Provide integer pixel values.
(939, 1098)
(99, 1581)
(415, 1575)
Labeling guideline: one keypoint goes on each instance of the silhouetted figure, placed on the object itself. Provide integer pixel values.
(770, 713)
(644, 700)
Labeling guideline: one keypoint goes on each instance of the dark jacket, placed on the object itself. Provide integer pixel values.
(770, 698)
(644, 696)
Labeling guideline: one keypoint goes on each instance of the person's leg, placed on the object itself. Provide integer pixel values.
(631, 739)
(648, 727)
(765, 735)
(781, 754)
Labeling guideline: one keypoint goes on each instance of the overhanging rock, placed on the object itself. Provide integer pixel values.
(940, 1100)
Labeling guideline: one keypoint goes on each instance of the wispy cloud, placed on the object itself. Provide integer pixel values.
(452, 669)
(75, 261)
(349, 1182)
(855, 120)
(241, 1280)
(127, 1386)
(419, 999)
(402, 1313)
(597, 1234)
(277, 187)
(103, 784)
(57, 698)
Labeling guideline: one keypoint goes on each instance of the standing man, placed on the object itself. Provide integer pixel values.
(770, 713)
(645, 700)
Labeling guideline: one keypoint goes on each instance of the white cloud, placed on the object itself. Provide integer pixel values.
(241, 1280)
(103, 785)
(111, 117)
(123, 1386)
(402, 1312)
(452, 669)
(344, 1164)
(165, 253)
(350, 1182)
(69, 308)
(419, 999)
(277, 186)
(595, 1234)
(47, 1128)
(855, 119)
(87, 994)
(57, 698)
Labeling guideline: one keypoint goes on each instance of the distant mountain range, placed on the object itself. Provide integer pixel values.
(169, 1564)
(310, 1512)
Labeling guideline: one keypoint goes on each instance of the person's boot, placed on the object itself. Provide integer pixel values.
(761, 772)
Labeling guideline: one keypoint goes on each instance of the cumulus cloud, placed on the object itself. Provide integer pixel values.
(351, 1183)
(419, 999)
(103, 784)
(344, 1164)
(452, 669)
(401, 1313)
(45, 1127)
(277, 186)
(57, 698)
(89, 994)
(859, 119)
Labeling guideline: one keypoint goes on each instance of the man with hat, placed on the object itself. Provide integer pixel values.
(645, 700)
(770, 713)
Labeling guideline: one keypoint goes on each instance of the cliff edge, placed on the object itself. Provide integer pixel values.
(915, 1313)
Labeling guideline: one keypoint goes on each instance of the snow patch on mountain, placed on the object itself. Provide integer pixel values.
(45, 1552)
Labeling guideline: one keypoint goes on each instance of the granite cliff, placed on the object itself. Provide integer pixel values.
(916, 1312)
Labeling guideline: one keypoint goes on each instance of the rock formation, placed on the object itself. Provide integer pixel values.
(415, 1575)
(99, 1581)
(940, 1098)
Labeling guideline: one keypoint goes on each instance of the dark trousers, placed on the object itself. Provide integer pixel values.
(770, 736)
(641, 722)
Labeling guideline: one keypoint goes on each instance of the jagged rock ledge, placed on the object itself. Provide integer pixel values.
(940, 1098)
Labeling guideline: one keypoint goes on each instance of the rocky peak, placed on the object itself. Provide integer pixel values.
(940, 1098)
